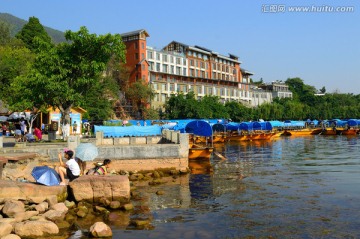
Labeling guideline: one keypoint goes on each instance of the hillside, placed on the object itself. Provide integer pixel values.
(16, 24)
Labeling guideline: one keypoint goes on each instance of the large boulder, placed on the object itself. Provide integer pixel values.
(5, 229)
(12, 207)
(92, 188)
(24, 191)
(36, 229)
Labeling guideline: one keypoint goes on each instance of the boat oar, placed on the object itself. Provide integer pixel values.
(219, 155)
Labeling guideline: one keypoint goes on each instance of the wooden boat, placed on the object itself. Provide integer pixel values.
(199, 128)
(347, 132)
(301, 132)
(200, 151)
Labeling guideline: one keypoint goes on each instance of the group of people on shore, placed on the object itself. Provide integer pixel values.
(74, 168)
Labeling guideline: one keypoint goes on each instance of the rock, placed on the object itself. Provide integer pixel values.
(36, 228)
(23, 216)
(36, 200)
(156, 174)
(160, 192)
(100, 229)
(100, 209)
(63, 224)
(115, 205)
(70, 204)
(81, 213)
(42, 207)
(11, 207)
(5, 229)
(128, 206)
(22, 190)
(7, 220)
(11, 236)
(140, 223)
(52, 200)
(92, 188)
(60, 207)
(54, 215)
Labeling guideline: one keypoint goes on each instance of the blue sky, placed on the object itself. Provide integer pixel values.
(322, 48)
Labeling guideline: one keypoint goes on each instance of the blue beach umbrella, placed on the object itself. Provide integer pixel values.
(45, 175)
(86, 151)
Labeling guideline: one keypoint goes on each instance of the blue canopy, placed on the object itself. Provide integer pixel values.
(353, 122)
(246, 126)
(276, 123)
(199, 127)
(219, 128)
(266, 125)
(232, 126)
(120, 131)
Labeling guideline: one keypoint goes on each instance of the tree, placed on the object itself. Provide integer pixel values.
(140, 94)
(4, 33)
(323, 90)
(33, 29)
(14, 61)
(64, 74)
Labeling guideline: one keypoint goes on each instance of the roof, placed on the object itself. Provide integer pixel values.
(137, 32)
(246, 71)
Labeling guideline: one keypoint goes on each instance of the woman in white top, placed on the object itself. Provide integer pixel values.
(71, 168)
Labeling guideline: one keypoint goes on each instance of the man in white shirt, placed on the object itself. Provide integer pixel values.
(71, 168)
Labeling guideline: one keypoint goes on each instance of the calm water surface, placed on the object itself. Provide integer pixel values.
(303, 187)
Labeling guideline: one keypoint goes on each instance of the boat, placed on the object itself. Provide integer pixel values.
(199, 151)
(203, 129)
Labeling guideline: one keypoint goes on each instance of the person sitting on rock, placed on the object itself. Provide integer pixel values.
(70, 169)
(100, 169)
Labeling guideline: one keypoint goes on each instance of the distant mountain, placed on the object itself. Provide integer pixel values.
(16, 25)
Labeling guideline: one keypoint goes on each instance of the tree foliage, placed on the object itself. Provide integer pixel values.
(140, 94)
(32, 30)
(64, 74)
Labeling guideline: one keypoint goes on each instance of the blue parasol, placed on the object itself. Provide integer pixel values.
(45, 175)
(86, 151)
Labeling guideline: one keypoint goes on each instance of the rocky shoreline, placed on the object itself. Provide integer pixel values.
(62, 212)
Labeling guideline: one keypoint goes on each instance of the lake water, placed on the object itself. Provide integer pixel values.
(291, 187)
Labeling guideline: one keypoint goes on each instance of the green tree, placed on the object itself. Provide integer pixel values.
(140, 94)
(238, 112)
(14, 61)
(62, 75)
(32, 30)
(4, 33)
(212, 108)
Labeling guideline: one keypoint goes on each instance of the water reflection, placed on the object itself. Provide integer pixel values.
(293, 187)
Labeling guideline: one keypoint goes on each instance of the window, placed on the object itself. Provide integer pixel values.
(158, 56)
(178, 70)
(155, 86)
(172, 87)
(156, 97)
(163, 97)
(157, 66)
(210, 90)
(191, 62)
(184, 71)
(165, 58)
(203, 74)
(202, 65)
(151, 66)
(142, 45)
(184, 62)
(150, 54)
(142, 56)
(214, 66)
(185, 88)
(143, 68)
(192, 72)
(178, 61)
(163, 87)
(171, 59)
(172, 69)
(136, 56)
(136, 45)
(178, 88)
(199, 89)
(165, 68)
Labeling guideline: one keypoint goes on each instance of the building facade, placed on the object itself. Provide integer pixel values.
(181, 68)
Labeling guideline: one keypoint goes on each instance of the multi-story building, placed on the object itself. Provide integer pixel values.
(182, 68)
(278, 88)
